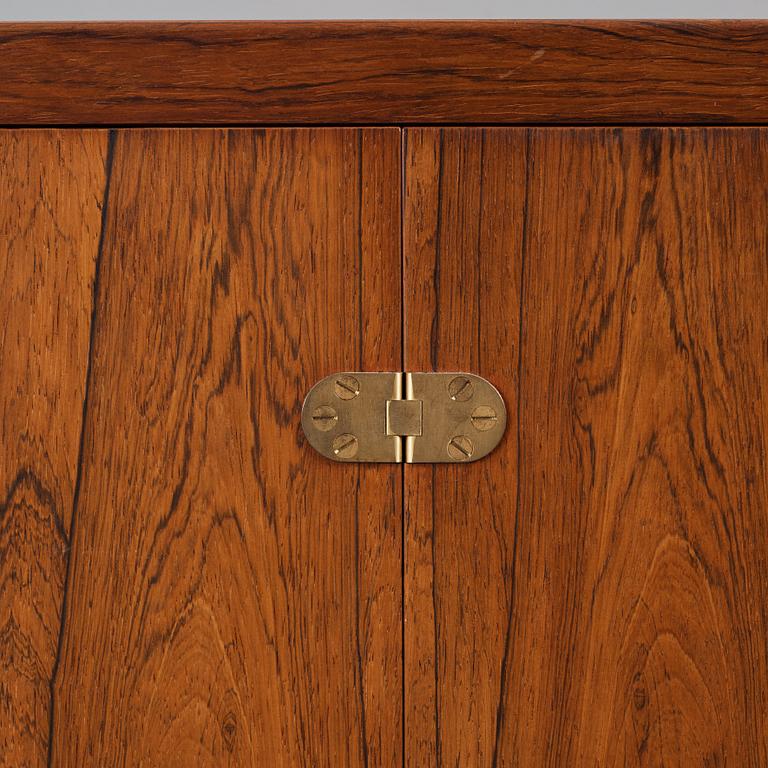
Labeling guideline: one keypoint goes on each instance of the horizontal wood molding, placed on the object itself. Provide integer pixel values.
(384, 73)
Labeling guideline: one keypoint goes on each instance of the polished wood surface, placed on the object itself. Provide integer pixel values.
(50, 214)
(233, 598)
(184, 581)
(384, 72)
(596, 591)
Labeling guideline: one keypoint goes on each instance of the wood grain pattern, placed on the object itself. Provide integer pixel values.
(53, 185)
(384, 72)
(595, 593)
(236, 598)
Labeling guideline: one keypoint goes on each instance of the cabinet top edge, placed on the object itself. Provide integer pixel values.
(384, 73)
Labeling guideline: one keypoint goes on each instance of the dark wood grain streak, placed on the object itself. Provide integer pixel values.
(235, 599)
(596, 591)
(384, 72)
(53, 186)
(104, 207)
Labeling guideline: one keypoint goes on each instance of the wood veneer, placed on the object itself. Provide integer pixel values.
(595, 591)
(50, 225)
(384, 72)
(232, 598)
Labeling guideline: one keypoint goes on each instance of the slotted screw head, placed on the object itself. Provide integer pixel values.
(324, 418)
(460, 448)
(345, 446)
(346, 387)
(460, 388)
(484, 418)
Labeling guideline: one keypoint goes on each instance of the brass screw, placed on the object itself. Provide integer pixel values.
(460, 448)
(460, 388)
(324, 418)
(345, 446)
(484, 418)
(347, 387)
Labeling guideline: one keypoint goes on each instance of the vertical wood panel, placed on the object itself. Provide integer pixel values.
(458, 542)
(235, 598)
(596, 592)
(52, 188)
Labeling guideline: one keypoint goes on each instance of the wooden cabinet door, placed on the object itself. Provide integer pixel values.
(180, 574)
(184, 582)
(595, 592)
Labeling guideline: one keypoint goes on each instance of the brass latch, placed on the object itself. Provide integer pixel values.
(411, 417)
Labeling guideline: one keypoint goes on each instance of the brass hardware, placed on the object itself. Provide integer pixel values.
(324, 418)
(345, 446)
(460, 388)
(404, 417)
(346, 387)
(359, 401)
(410, 417)
(484, 418)
(460, 448)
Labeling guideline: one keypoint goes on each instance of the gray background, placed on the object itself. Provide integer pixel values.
(63, 10)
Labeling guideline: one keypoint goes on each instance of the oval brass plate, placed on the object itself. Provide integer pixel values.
(411, 417)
